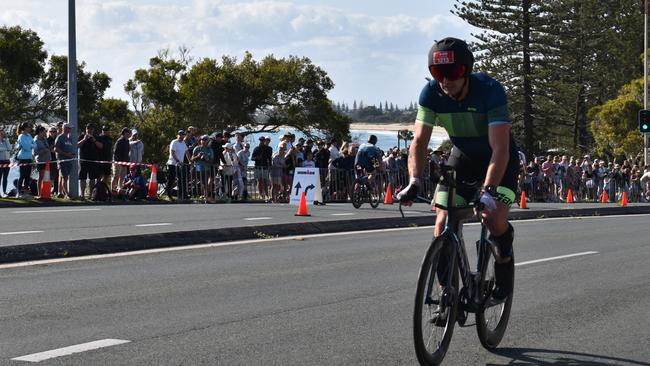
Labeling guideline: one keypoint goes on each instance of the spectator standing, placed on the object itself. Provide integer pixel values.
(262, 155)
(227, 168)
(277, 173)
(105, 154)
(65, 149)
(42, 154)
(5, 160)
(136, 148)
(175, 171)
(334, 152)
(239, 142)
(89, 148)
(309, 160)
(243, 156)
(203, 158)
(322, 156)
(24, 146)
(52, 133)
(121, 154)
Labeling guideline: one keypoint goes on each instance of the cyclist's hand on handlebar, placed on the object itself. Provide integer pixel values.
(407, 195)
(488, 201)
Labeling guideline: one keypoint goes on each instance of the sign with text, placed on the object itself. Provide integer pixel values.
(306, 180)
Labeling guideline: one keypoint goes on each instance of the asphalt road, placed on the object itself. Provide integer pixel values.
(337, 299)
(30, 225)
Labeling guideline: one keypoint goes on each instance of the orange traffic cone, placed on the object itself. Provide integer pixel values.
(302, 207)
(388, 200)
(604, 197)
(153, 183)
(522, 201)
(569, 196)
(46, 184)
(624, 199)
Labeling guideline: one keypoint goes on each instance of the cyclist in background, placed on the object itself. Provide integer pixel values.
(473, 108)
(367, 160)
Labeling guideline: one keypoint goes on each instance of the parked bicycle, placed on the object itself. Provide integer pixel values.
(439, 301)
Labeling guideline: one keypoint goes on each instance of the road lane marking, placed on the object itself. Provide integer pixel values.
(555, 258)
(343, 214)
(254, 241)
(65, 351)
(21, 232)
(159, 224)
(60, 210)
(257, 218)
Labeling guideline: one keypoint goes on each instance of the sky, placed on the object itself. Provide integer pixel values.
(374, 51)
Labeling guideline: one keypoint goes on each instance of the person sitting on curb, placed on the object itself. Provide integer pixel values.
(134, 186)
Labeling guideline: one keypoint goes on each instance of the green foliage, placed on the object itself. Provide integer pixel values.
(22, 61)
(614, 124)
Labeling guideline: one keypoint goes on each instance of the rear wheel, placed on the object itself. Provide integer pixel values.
(435, 305)
(491, 322)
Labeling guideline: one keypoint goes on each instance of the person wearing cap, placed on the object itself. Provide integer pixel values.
(175, 171)
(262, 156)
(89, 148)
(65, 149)
(136, 147)
(203, 157)
(105, 154)
(473, 108)
(121, 155)
(227, 168)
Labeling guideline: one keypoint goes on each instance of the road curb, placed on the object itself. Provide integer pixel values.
(83, 247)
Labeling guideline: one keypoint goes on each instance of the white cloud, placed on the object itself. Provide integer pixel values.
(359, 51)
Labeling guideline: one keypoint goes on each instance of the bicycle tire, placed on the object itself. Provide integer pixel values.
(491, 336)
(428, 272)
(374, 197)
(357, 197)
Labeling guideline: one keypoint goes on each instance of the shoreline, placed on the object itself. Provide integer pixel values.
(437, 130)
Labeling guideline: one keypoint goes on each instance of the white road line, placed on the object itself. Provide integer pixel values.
(21, 232)
(257, 218)
(159, 224)
(78, 348)
(252, 241)
(555, 258)
(60, 210)
(343, 214)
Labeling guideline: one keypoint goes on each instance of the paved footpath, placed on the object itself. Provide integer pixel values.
(35, 232)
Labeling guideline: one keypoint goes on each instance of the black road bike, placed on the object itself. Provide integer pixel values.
(365, 190)
(440, 302)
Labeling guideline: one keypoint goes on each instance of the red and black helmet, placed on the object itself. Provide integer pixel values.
(450, 58)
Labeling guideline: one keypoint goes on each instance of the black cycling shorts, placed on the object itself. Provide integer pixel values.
(470, 172)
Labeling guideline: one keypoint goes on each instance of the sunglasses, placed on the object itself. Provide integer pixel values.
(447, 71)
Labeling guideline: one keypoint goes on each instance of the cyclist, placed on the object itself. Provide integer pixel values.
(367, 161)
(473, 108)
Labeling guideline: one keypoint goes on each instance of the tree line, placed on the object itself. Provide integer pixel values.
(385, 113)
(173, 92)
(571, 69)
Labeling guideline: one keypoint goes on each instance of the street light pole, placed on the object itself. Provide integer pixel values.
(645, 76)
(73, 180)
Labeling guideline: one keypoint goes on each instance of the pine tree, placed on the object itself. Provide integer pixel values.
(392, 108)
(361, 104)
(354, 105)
(381, 109)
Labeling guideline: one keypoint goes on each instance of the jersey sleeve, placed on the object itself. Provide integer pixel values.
(426, 114)
(497, 105)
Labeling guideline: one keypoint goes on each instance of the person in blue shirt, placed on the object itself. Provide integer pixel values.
(25, 146)
(473, 108)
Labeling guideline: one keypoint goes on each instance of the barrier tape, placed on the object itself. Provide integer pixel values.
(125, 163)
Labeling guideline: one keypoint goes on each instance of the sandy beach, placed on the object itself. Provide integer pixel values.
(391, 127)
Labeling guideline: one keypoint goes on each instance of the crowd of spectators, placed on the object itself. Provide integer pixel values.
(549, 179)
(221, 166)
(35, 147)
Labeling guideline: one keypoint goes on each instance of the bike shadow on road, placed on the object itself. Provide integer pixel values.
(533, 356)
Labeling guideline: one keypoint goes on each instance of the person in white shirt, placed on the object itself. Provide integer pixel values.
(334, 153)
(175, 167)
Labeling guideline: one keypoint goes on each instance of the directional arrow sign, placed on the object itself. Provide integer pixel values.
(297, 187)
(311, 186)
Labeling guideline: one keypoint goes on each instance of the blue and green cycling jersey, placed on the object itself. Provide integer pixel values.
(467, 121)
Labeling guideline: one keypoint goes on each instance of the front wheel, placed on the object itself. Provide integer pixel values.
(357, 196)
(436, 303)
(492, 321)
(374, 195)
